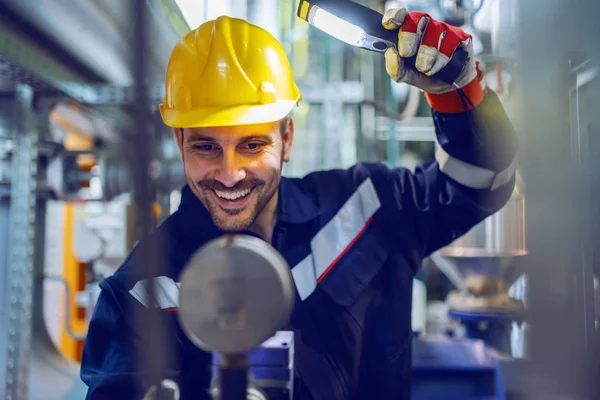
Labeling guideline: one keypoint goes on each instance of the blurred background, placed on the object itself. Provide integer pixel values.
(78, 85)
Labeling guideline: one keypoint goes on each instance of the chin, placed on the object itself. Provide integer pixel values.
(232, 226)
(233, 223)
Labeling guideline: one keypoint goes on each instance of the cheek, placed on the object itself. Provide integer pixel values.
(196, 168)
(266, 166)
(263, 169)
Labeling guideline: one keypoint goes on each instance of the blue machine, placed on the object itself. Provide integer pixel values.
(271, 367)
(491, 327)
(455, 369)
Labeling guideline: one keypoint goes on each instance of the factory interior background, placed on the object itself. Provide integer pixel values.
(69, 88)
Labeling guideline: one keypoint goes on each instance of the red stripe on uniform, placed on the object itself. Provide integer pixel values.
(364, 228)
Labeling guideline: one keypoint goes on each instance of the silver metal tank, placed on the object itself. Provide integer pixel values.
(483, 265)
(491, 248)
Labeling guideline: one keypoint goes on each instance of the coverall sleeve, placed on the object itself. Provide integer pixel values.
(471, 178)
(108, 354)
(109, 364)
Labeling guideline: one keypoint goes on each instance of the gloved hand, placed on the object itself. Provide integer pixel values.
(434, 43)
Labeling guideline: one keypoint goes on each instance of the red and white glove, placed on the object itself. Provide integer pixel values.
(434, 43)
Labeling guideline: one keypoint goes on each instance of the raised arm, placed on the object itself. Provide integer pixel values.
(473, 173)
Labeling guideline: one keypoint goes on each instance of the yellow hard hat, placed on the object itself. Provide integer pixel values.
(228, 72)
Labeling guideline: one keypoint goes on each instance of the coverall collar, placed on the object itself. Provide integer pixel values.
(295, 206)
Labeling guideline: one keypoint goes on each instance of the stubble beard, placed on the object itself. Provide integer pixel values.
(229, 222)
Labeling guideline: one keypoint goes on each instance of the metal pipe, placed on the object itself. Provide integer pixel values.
(22, 233)
(153, 348)
(83, 30)
(233, 377)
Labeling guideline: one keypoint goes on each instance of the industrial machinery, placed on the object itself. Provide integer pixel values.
(483, 264)
(235, 293)
(270, 369)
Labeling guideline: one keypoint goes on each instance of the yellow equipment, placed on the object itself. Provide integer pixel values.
(228, 72)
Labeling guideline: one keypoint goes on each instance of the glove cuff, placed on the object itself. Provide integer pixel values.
(451, 103)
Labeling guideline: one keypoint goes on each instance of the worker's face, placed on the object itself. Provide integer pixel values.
(235, 171)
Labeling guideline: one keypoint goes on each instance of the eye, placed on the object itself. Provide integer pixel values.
(254, 146)
(205, 147)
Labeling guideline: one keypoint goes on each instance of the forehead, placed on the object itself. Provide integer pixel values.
(232, 133)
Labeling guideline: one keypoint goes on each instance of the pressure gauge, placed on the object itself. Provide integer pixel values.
(235, 293)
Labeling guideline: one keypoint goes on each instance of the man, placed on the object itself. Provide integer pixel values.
(229, 94)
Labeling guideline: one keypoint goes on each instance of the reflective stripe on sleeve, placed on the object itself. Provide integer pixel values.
(471, 175)
(304, 277)
(166, 292)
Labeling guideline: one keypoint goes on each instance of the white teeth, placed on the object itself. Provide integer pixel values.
(232, 195)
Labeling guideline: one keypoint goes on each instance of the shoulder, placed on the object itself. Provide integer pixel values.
(343, 182)
(361, 184)
(345, 179)
(340, 184)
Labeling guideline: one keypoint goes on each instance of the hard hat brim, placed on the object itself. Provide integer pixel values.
(227, 116)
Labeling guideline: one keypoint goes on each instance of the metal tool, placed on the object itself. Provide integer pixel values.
(361, 26)
(235, 293)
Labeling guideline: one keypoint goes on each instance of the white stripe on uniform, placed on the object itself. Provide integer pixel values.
(334, 239)
(471, 175)
(166, 292)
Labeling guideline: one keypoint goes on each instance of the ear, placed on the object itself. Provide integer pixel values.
(288, 138)
(178, 133)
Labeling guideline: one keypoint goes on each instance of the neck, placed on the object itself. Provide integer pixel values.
(264, 225)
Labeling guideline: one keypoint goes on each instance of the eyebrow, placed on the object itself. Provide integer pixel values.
(200, 139)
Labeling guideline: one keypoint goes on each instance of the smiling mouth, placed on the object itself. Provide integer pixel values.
(232, 199)
(232, 195)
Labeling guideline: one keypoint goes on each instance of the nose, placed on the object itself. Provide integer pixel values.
(231, 170)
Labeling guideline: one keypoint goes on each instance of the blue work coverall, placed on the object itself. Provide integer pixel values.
(354, 239)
